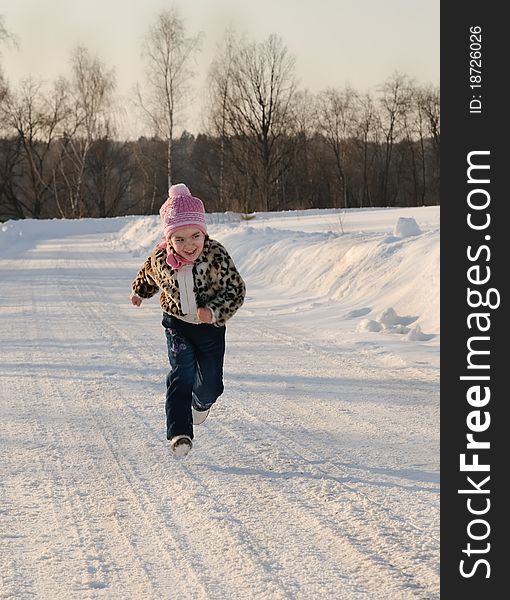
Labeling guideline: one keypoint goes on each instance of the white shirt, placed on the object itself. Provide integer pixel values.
(187, 294)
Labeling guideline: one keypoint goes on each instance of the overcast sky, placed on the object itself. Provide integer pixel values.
(335, 42)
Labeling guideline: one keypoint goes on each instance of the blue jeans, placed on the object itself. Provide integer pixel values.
(196, 355)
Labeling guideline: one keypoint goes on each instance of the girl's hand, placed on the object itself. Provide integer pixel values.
(136, 300)
(205, 315)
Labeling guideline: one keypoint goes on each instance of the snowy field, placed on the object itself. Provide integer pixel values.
(316, 474)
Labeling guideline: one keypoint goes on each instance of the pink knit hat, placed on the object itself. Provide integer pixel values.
(180, 210)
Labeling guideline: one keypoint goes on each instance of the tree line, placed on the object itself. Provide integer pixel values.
(267, 144)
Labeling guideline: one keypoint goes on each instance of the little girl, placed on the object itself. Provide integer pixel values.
(200, 290)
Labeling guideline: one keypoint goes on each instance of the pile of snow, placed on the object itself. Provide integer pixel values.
(406, 226)
(391, 322)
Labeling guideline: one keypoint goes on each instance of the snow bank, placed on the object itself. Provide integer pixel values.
(353, 270)
(16, 236)
(294, 255)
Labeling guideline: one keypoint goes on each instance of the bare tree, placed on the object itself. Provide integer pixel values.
(220, 82)
(419, 137)
(168, 54)
(335, 119)
(426, 108)
(395, 103)
(304, 112)
(110, 177)
(9, 153)
(366, 139)
(428, 99)
(11, 203)
(257, 110)
(146, 161)
(89, 98)
(36, 119)
(412, 127)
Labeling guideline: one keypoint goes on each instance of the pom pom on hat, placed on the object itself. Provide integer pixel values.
(180, 210)
(179, 189)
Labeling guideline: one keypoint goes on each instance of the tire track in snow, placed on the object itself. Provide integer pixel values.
(234, 531)
(158, 555)
(364, 369)
(88, 497)
(273, 413)
(325, 363)
(186, 508)
(375, 540)
(50, 515)
(377, 525)
(77, 529)
(16, 495)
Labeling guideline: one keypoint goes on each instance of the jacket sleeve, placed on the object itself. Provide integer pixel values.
(144, 284)
(231, 296)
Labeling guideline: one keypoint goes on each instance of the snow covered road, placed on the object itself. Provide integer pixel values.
(316, 475)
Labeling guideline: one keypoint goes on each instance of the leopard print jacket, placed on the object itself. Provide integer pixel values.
(218, 285)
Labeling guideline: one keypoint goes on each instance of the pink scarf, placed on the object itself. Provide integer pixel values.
(174, 260)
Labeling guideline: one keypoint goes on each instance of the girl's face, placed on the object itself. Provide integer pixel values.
(188, 242)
